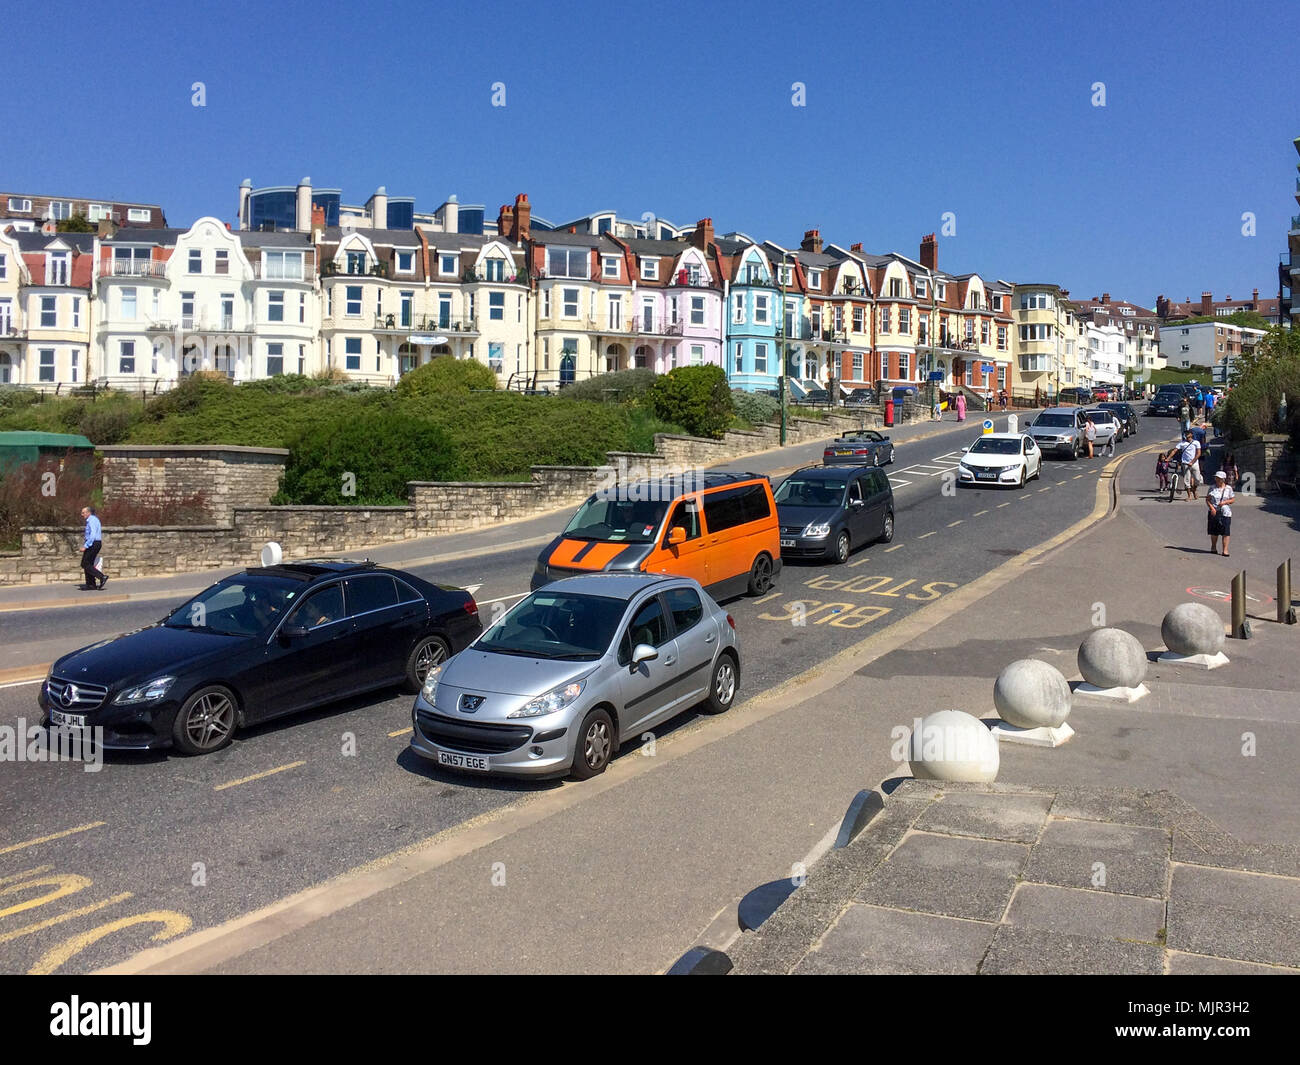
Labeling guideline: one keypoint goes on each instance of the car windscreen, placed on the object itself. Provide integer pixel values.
(239, 606)
(995, 447)
(1055, 421)
(1103, 417)
(809, 492)
(550, 624)
(623, 520)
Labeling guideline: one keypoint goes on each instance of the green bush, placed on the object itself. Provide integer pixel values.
(1261, 380)
(106, 423)
(696, 397)
(630, 386)
(754, 408)
(446, 375)
(381, 451)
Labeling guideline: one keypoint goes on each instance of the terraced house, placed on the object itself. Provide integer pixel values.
(46, 308)
(1051, 338)
(753, 312)
(174, 302)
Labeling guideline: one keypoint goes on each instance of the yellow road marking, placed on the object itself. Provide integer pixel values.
(257, 776)
(62, 883)
(957, 522)
(979, 512)
(173, 924)
(896, 547)
(859, 562)
(50, 922)
(1077, 477)
(24, 875)
(399, 732)
(1047, 489)
(55, 835)
(924, 535)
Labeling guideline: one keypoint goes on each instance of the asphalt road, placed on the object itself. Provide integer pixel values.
(94, 864)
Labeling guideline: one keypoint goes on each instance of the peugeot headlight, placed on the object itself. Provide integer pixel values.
(146, 693)
(553, 700)
(431, 684)
(817, 530)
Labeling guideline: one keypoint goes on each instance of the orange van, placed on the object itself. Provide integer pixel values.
(719, 528)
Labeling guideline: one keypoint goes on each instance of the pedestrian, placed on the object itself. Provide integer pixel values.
(1219, 500)
(937, 413)
(93, 543)
(1184, 415)
(1162, 469)
(1110, 443)
(1089, 434)
(1230, 469)
(1187, 455)
(961, 406)
(1210, 400)
(1002, 399)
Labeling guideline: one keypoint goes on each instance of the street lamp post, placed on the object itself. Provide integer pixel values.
(785, 350)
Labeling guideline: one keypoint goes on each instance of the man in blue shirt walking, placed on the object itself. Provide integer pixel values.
(94, 541)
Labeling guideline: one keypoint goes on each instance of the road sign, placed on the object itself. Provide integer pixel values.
(988, 426)
(936, 375)
(987, 367)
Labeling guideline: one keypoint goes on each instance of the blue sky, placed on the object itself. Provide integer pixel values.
(684, 110)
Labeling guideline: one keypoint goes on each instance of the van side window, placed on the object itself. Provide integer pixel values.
(879, 482)
(855, 489)
(736, 506)
(687, 515)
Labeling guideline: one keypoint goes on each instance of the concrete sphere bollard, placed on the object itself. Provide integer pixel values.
(953, 745)
(1112, 658)
(1192, 629)
(1032, 694)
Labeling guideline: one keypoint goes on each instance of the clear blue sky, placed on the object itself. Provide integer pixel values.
(685, 110)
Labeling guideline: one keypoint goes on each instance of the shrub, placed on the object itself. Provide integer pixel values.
(106, 423)
(157, 508)
(1251, 406)
(23, 502)
(630, 387)
(755, 408)
(446, 375)
(380, 450)
(696, 397)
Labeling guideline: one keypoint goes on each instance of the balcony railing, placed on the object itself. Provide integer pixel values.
(689, 282)
(278, 272)
(133, 268)
(756, 282)
(396, 323)
(9, 330)
(332, 269)
(510, 277)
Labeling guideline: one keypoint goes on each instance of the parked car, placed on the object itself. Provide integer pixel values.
(815, 397)
(859, 447)
(1001, 458)
(827, 511)
(269, 641)
(574, 670)
(717, 528)
(1077, 396)
(1109, 428)
(861, 397)
(1127, 415)
(1101, 393)
(1166, 401)
(1059, 430)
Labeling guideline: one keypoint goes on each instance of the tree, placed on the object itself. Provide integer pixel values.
(78, 223)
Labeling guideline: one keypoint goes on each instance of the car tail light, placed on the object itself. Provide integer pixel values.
(731, 621)
(860, 451)
(471, 607)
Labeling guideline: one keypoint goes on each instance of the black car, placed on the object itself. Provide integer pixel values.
(859, 447)
(262, 643)
(1127, 415)
(827, 511)
(1166, 401)
(861, 397)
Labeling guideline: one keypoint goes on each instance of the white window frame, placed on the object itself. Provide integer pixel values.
(129, 304)
(52, 310)
(99, 212)
(221, 261)
(398, 268)
(443, 258)
(649, 269)
(697, 310)
(762, 314)
(138, 214)
(189, 261)
(570, 297)
(275, 302)
(348, 302)
(760, 347)
(20, 204)
(609, 266)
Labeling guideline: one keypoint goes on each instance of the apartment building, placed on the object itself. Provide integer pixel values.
(46, 285)
(1051, 339)
(32, 211)
(1288, 268)
(290, 207)
(1168, 310)
(173, 302)
(1206, 344)
(13, 275)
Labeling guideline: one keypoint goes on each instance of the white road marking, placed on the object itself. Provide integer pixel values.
(21, 683)
(502, 599)
(1001, 505)
(472, 588)
(897, 484)
(979, 512)
(894, 548)
(924, 535)
(951, 524)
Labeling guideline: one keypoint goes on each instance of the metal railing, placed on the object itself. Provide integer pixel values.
(261, 272)
(133, 268)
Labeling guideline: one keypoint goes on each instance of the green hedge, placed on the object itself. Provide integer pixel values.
(623, 386)
(755, 408)
(446, 375)
(696, 397)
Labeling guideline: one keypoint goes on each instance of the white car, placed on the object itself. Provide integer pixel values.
(1001, 458)
(1108, 426)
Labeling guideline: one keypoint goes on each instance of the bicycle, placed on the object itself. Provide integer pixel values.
(1177, 470)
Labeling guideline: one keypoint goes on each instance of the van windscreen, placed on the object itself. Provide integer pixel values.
(621, 520)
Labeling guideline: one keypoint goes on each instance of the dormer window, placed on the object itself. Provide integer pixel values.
(815, 278)
(446, 265)
(99, 212)
(609, 267)
(920, 288)
(753, 273)
(356, 262)
(650, 269)
(60, 209)
(405, 262)
(57, 267)
(494, 269)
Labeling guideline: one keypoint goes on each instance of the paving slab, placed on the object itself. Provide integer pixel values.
(1090, 854)
(1014, 818)
(1231, 914)
(1035, 952)
(947, 875)
(1178, 964)
(882, 941)
(1103, 914)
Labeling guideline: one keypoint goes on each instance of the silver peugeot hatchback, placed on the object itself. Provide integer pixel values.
(574, 670)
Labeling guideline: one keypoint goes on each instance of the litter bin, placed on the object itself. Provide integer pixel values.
(889, 413)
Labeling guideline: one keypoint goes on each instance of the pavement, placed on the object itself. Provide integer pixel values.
(1161, 838)
(427, 550)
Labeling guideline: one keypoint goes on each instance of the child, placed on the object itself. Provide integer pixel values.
(1162, 469)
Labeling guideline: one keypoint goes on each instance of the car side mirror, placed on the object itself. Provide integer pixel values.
(965, 449)
(293, 632)
(857, 502)
(643, 652)
(676, 535)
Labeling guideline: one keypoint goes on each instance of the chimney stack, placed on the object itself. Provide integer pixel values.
(506, 221)
(245, 191)
(302, 214)
(1105, 297)
(703, 235)
(1255, 296)
(108, 228)
(317, 223)
(1207, 303)
(929, 252)
(812, 240)
(523, 219)
(856, 247)
(379, 208)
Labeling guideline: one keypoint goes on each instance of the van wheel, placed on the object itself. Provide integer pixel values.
(595, 745)
(760, 577)
(887, 529)
(842, 548)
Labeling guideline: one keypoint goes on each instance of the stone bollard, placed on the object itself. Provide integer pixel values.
(1194, 635)
(1113, 664)
(955, 746)
(1033, 699)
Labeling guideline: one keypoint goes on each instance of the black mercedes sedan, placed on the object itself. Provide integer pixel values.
(269, 641)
